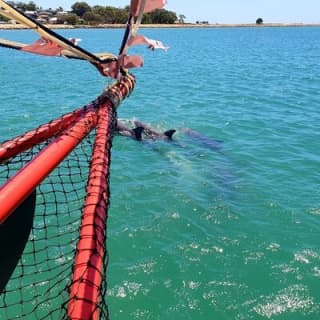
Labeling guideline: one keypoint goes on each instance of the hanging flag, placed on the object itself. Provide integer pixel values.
(152, 44)
(44, 47)
(150, 5)
(112, 69)
(133, 61)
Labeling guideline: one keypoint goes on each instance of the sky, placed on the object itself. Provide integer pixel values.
(222, 11)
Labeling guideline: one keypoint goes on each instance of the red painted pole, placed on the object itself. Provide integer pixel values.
(20, 186)
(88, 273)
(88, 265)
(46, 131)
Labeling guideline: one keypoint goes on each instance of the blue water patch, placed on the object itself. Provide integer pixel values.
(193, 232)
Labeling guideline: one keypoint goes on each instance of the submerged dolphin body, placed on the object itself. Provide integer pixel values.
(215, 145)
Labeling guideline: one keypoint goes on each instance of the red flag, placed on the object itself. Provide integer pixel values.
(149, 6)
(112, 69)
(44, 47)
(152, 44)
(131, 61)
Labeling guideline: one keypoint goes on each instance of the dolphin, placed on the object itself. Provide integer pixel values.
(141, 131)
(215, 145)
(124, 130)
(152, 134)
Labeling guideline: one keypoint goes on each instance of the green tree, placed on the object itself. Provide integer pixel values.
(92, 18)
(147, 19)
(259, 21)
(30, 6)
(162, 16)
(80, 8)
(121, 15)
(100, 14)
(110, 14)
(181, 18)
(100, 10)
(71, 18)
(4, 19)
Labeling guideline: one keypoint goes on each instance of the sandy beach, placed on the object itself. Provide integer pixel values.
(185, 25)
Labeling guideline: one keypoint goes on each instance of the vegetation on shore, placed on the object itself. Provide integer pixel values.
(83, 13)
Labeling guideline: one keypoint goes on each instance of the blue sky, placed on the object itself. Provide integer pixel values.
(224, 11)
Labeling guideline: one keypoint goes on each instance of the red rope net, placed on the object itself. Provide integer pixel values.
(53, 255)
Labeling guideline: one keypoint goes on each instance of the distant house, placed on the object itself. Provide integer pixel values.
(62, 13)
(44, 13)
(53, 20)
(31, 14)
(43, 16)
(42, 20)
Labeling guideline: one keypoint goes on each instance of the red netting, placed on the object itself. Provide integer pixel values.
(62, 271)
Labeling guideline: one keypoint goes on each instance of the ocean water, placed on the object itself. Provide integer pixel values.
(223, 224)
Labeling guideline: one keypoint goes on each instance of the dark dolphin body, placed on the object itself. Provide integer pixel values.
(149, 132)
(124, 130)
(153, 134)
(141, 131)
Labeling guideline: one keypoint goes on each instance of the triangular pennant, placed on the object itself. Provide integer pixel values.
(44, 47)
(150, 5)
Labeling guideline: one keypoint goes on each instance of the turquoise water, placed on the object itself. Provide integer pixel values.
(196, 233)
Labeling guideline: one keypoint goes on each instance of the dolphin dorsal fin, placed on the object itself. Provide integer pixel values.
(138, 132)
(169, 133)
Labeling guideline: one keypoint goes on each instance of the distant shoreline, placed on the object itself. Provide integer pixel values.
(185, 25)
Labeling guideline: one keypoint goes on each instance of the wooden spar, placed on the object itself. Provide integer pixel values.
(64, 53)
(76, 51)
(11, 44)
